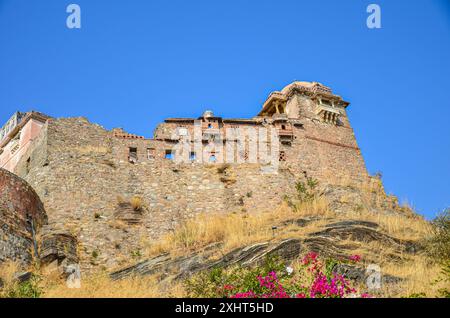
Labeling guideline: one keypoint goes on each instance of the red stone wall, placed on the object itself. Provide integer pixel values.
(17, 199)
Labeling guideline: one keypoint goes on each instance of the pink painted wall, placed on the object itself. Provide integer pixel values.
(10, 157)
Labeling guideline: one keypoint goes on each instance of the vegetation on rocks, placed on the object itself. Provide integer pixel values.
(11, 286)
(411, 253)
(438, 244)
(438, 248)
(308, 277)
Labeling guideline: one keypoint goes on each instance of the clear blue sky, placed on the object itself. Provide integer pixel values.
(133, 63)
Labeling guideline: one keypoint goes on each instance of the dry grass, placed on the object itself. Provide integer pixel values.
(237, 229)
(419, 278)
(7, 271)
(233, 230)
(316, 207)
(401, 227)
(223, 168)
(120, 200)
(100, 286)
(137, 203)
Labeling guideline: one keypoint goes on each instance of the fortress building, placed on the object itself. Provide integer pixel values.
(314, 134)
(85, 175)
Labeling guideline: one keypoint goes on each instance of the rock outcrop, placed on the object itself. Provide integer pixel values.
(182, 267)
(337, 240)
(329, 240)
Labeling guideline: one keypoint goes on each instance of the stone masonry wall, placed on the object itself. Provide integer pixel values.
(18, 201)
(84, 176)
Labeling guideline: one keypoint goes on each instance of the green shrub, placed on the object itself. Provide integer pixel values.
(310, 277)
(211, 284)
(445, 277)
(306, 191)
(27, 289)
(438, 245)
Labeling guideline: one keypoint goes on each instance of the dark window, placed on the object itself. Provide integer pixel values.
(168, 154)
(27, 166)
(283, 127)
(132, 154)
(192, 156)
(282, 156)
(209, 125)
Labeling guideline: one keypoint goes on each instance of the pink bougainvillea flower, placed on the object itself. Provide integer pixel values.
(355, 258)
(320, 285)
(310, 257)
(249, 294)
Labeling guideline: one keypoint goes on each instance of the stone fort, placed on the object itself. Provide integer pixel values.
(86, 176)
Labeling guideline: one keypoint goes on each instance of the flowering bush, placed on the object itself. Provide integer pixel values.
(355, 258)
(311, 278)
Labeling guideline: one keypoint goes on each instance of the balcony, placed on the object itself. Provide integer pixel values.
(211, 134)
(285, 132)
(328, 114)
(286, 136)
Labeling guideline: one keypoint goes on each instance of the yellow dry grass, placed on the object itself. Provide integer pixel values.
(399, 226)
(7, 271)
(237, 229)
(100, 286)
(137, 203)
(233, 230)
(420, 277)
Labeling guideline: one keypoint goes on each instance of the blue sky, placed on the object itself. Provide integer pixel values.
(133, 63)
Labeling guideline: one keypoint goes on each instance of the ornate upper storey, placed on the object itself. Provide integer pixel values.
(328, 106)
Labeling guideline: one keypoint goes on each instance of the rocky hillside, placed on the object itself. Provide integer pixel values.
(353, 229)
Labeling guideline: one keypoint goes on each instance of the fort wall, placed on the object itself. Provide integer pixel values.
(20, 209)
(86, 175)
